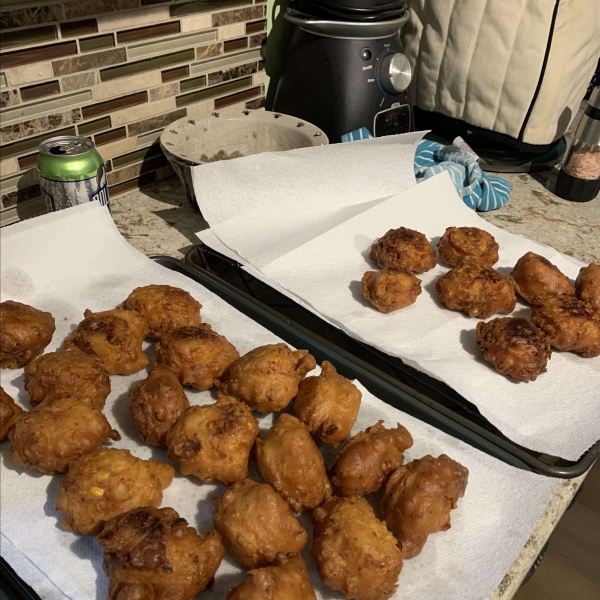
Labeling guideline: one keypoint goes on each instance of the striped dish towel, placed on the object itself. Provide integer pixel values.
(478, 190)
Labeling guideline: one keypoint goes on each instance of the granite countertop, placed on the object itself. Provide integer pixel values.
(160, 220)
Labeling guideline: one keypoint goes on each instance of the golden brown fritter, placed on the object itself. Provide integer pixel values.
(56, 432)
(570, 325)
(115, 337)
(290, 461)
(267, 378)
(197, 355)
(403, 248)
(535, 279)
(10, 413)
(588, 286)
(515, 346)
(165, 308)
(257, 524)
(156, 404)
(328, 405)
(418, 499)
(152, 554)
(67, 373)
(287, 580)
(390, 289)
(106, 483)
(24, 333)
(468, 246)
(367, 459)
(477, 291)
(213, 441)
(354, 551)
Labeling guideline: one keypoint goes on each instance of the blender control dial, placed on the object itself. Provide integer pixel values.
(394, 72)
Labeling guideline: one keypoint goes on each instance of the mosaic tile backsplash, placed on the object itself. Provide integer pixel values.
(118, 72)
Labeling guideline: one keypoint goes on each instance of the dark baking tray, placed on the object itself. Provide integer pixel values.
(386, 377)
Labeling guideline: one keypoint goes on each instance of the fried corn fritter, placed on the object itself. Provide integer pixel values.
(256, 524)
(588, 286)
(403, 248)
(10, 413)
(514, 346)
(56, 432)
(287, 580)
(267, 378)
(156, 404)
(536, 279)
(418, 499)
(152, 554)
(468, 246)
(165, 308)
(569, 324)
(197, 355)
(24, 333)
(368, 458)
(213, 441)
(106, 483)
(477, 291)
(67, 373)
(354, 551)
(328, 405)
(290, 461)
(390, 289)
(115, 337)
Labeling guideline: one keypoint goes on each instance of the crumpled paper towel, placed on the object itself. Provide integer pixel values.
(305, 191)
(75, 259)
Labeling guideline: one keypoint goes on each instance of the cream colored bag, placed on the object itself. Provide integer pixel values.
(514, 67)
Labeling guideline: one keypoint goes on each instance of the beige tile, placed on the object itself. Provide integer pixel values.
(17, 182)
(137, 18)
(126, 85)
(196, 22)
(148, 138)
(52, 104)
(172, 44)
(8, 167)
(142, 111)
(201, 107)
(78, 81)
(259, 78)
(164, 91)
(234, 30)
(29, 73)
(117, 148)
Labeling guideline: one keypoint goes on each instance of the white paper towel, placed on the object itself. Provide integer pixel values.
(303, 192)
(76, 259)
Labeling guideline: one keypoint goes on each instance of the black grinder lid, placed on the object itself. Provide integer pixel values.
(351, 10)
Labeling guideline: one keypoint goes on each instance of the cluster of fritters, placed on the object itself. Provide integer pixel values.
(564, 316)
(150, 553)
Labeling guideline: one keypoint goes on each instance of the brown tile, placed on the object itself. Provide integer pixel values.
(30, 16)
(256, 40)
(236, 16)
(256, 26)
(41, 53)
(193, 84)
(155, 122)
(208, 51)
(110, 136)
(261, 65)
(211, 92)
(85, 8)
(13, 198)
(17, 131)
(31, 92)
(237, 44)
(29, 144)
(148, 64)
(189, 8)
(97, 42)
(254, 104)
(164, 91)
(101, 108)
(259, 1)
(89, 61)
(132, 171)
(176, 73)
(234, 98)
(28, 37)
(144, 33)
(28, 161)
(94, 126)
(120, 188)
(79, 28)
(9, 98)
(232, 73)
(137, 155)
(78, 81)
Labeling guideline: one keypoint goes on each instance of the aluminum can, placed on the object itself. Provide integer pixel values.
(71, 172)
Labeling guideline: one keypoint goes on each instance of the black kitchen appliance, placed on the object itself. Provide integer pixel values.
(345, 68)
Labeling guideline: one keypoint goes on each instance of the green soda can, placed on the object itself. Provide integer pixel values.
(71, 172)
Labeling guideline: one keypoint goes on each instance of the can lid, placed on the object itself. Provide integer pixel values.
(66, 145)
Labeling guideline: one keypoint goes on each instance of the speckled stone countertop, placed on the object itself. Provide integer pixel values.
(160, 220)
